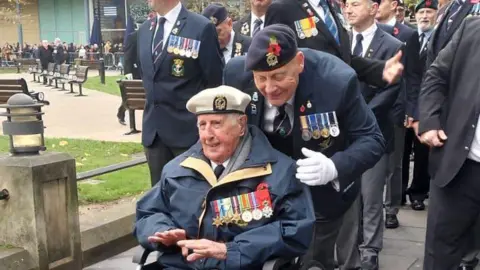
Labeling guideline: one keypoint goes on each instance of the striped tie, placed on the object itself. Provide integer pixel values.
(157, 46)
(281, 122)
(329, 20)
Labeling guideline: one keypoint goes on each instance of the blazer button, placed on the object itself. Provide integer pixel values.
(466, 148)
(473, 126)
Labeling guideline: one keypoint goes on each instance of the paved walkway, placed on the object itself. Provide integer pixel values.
(89, 117)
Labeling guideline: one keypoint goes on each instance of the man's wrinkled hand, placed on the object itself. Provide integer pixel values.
(168, 238)
(434, 138)
(409, 122)
(393, 69)
(415, 129)
(203, 248)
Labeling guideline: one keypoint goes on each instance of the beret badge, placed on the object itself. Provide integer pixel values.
(213, 20)
(273, 52)
(219, 103)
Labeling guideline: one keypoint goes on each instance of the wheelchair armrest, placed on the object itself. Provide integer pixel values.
(141, 255)
(278, 263)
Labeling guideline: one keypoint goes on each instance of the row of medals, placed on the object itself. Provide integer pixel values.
(246, 215)
(183, 46)
(307, 28)
(309, 131)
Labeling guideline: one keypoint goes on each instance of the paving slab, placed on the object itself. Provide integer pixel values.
(89, 117)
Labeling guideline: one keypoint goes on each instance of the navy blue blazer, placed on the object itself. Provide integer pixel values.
(327, 84)
(172, 82)
(381, 100)
(407, 101)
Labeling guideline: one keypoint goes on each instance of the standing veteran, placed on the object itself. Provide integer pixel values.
(231, 198)
(310, 106)
(179, 56)
(232, 43)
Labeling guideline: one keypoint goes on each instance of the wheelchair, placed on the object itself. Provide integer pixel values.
(141, 256)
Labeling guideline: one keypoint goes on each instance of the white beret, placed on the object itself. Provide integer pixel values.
(221, 99)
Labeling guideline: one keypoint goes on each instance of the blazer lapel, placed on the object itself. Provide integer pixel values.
(177, 28)
(462, 13)
(375, 45)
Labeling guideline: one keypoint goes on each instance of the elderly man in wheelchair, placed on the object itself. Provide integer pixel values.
(229, 202)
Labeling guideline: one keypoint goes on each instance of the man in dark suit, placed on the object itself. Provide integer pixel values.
(371, 42)
(45, 53)
(232, 44)
(326, 31)
(331, 132)
(449, 121)
(425, 13)
(403, 110)
(59, 52)
(179, 56)
(130, 68)
(251, 23)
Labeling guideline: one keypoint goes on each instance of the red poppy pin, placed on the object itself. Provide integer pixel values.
(474, 1)
(153, 22)
(428, 3)
(273, 52)
(395, 31)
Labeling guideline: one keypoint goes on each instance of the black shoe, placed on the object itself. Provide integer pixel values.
(468, 265)
(465, 267)
(370, 263)
(122, 122)
(418, 205)
(391, 221)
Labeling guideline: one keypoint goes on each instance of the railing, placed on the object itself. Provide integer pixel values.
(111, 168)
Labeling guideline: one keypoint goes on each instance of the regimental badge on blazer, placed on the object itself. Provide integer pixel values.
(245, 29)
(238, 48)
(178, 70)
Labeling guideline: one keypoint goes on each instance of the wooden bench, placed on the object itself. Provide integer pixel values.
(62, 76)
(9, 88)
(26, 63)
(79, 78)
(133, 99)
(96, 65)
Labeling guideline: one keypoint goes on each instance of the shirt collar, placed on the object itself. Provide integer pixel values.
(255, 17)
(427, 33)
(230, 43)
(289, 102)
(172, 15)
(367, 32)
(392, 21)
(214, 165)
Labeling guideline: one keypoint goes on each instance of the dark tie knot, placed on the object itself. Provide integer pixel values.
(258, 22)
(162, 20)
(359, 37)
(281, 110)
(218, 170)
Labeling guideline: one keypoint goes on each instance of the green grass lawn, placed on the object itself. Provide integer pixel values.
(110, 86)
(6, 70)
(90, 154)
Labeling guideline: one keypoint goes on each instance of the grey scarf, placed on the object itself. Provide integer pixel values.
(240, 154)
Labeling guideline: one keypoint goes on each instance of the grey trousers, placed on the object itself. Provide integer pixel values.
(373, 182)
(474, 246)
(393, 196)
(348, 255)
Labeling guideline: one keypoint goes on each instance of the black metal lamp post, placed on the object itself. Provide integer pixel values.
(24, 125)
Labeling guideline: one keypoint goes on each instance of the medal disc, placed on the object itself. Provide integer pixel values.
(247, 216)
(306, 135)
(170, 49)
(267, 211)
(314, 32)
(188, 54)
(301, 35)
(176, 51)
(335, 131)
(182, 52)
(325, 133)
(194, 55)
(257, 214)
(316, 134)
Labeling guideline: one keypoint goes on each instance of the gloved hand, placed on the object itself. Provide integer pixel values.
(129, 76)
(316, 169)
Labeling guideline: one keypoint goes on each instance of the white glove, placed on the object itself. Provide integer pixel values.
(316, 169)
(129, 76)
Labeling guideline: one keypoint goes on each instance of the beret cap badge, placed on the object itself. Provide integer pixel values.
(273, 52)
(220, 103)
(213, 20)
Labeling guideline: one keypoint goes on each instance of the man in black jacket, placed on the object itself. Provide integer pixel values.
(449, 121)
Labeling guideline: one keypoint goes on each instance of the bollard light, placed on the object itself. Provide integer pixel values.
(24, 125)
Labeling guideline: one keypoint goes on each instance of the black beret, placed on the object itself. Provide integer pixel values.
(271, 48)
(216, 13)
(433, 4)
